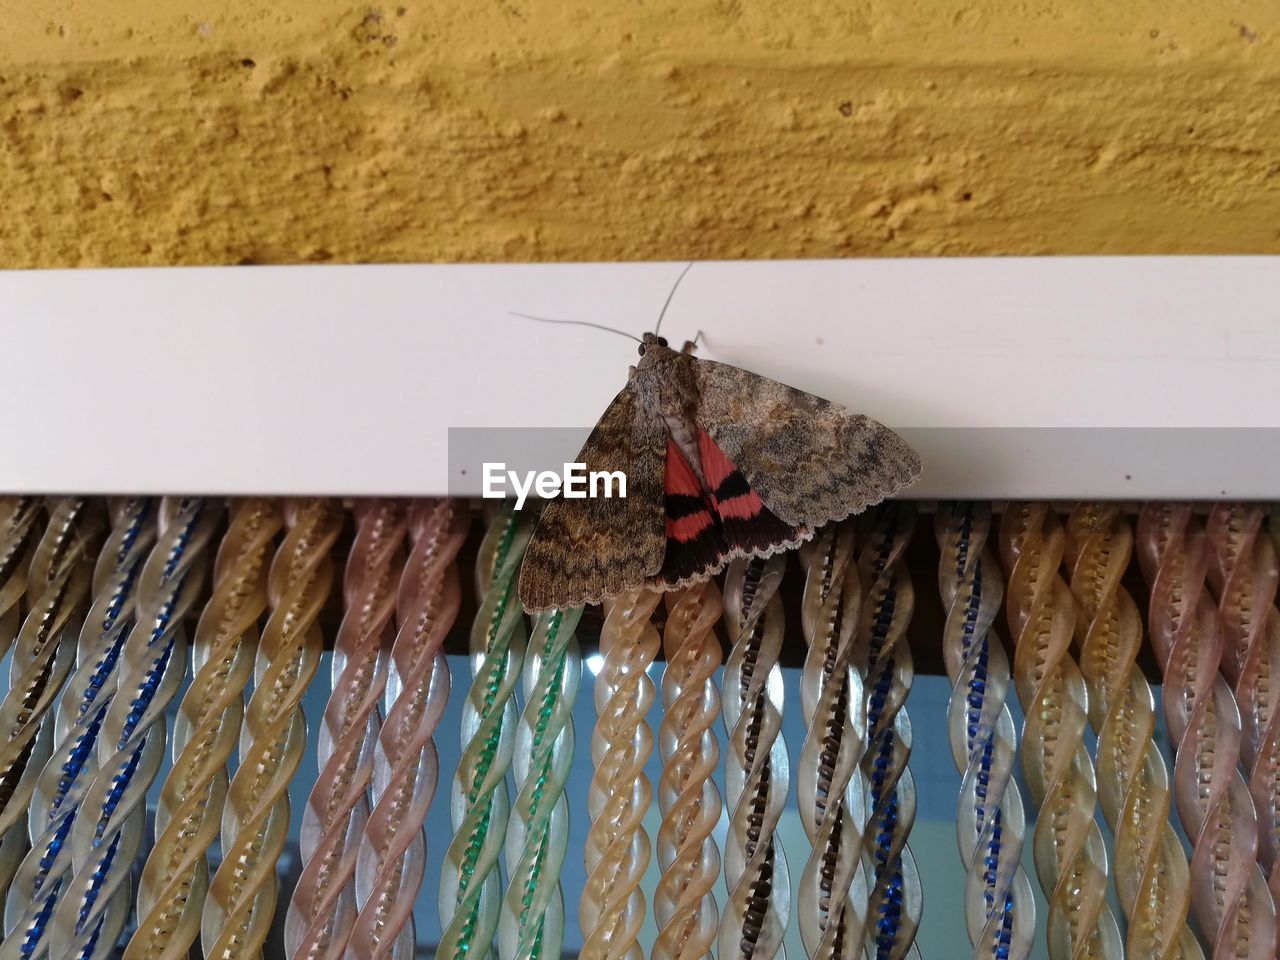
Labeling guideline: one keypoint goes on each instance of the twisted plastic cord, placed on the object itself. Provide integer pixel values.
(107, 834)
(684, 903)
(532, 922)
(1229, 898)
(618, 850)
(175, 878)
(756, 770)
(322, 910)
(392, 855)
(1151, 877)
(42, 875)
(58, 595)
(470, 889)
(830, 795)
(19, 531)
(255, 823)
(990, 823)
(884, 658)
(1071, 860)
(1243, 574)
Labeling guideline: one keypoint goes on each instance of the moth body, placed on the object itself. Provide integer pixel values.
(667, 389)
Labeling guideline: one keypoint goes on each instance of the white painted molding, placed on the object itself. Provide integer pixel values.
(1064, 377)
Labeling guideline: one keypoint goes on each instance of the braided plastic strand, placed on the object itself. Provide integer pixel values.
(19, 531)
(618, 850)
(175, 878)
(684, 903)
(392, 858)
(1071, 859)
(1229, 897)
(1151, 875)
(990, 823)
(471, 888)
(756, 769)
(830, 795)
(322, 911)
(532, 923)
(58, 596)
(1243, 573)
(255, 824)
(107, 834)
(42, 876)
(884, 658)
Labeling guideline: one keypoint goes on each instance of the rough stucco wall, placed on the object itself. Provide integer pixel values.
(137, 132)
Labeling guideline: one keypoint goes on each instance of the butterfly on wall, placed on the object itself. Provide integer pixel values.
(720, 463)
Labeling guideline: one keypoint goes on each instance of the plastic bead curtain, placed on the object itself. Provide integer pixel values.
(310, 728)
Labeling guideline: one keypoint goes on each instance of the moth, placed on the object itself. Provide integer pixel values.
(720, 463)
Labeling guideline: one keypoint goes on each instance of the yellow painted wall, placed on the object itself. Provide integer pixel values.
(148, 132)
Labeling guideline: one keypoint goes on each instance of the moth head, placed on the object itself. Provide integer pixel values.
(653, 342)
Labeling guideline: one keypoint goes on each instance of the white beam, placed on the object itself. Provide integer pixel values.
(344, 380)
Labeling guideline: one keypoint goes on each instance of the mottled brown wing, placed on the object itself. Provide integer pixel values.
(810, 460)
(585, 550)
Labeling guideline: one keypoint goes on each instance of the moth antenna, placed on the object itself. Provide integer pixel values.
(670, 296)
(577, 323)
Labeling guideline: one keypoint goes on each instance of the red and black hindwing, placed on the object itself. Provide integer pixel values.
(749, 526)
(707, 525)
(695, 541)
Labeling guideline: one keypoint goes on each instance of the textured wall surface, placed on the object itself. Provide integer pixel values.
(145, 132)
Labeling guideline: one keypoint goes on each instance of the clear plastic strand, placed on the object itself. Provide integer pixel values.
(684, 903)
(1151, 873)
(322, 910)
(884, 658)
(41, 878)
(756, 767)
(832, 803)
(1230, 901)
(58, 589)
(471, 886)
(19, 531)
(532, 922)
(107, 834)
(175, 878)
(618, 849)
(990, 822)
(1070, 856)
(242, 895)
(392, 856)
(1243, 574)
